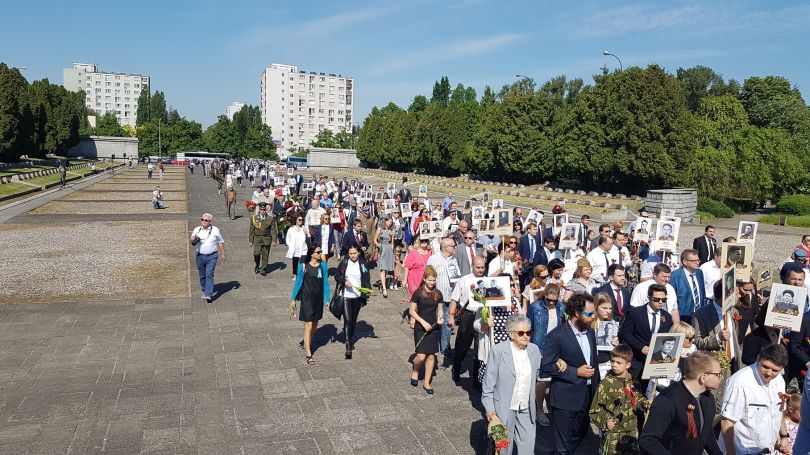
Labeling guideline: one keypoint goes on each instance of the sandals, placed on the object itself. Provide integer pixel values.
(385, 293)
(310, 360)
(429, 391)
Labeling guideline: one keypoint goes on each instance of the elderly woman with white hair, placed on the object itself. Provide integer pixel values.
(508, 389)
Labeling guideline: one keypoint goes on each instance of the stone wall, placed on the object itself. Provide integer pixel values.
(326, 157)
(682, 202)
(97, 147)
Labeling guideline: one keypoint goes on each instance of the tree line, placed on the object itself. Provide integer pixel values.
(629, 131)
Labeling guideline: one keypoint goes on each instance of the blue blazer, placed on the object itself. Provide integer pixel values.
(499, 380)
(680, 281)
(569, 391)
(539, 253)
(299, 281)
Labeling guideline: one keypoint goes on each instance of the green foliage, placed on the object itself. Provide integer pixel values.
(142, 115)
(327, 139)
(795, 221)
(794, 204)
(441, 91)
(714, 207)
(107, 125)
(245, 136)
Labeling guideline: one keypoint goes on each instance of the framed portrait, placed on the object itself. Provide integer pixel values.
(729, 281)
(378, 197)
(289, 171)
(437, 214)
(285, 191)
(533, 217)
(307, 187)
(368, 187)
(491, 225)
(436, 229)
(569, 236)
(290, 182)
(334, 216)
(496, 290)
(405, 209)
(559, 220)
(424, 230)
(452, 228)
(477, 213)
(666, 234)
(391, 187)
(747, 232)
(390, 206)
(605, 334)
(786, 306)
(485, 197)
(641, 231)
(467, 205)
(482, 226)
(739, 256)
(422, 191)
(668, 213)
(331, 187)
(497, 203)
(278, 181)
(504, 226)
(665, 351)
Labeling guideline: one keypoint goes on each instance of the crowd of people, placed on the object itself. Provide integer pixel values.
(531, 313)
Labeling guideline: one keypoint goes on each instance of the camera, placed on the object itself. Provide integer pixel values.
(195, 240)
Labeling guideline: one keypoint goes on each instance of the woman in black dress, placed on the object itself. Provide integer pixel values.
(426, 310)
(312, 290)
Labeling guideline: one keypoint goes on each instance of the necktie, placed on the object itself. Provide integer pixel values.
(711, 248)
(695, 292)
(654, 322)
(531, 248)
(472, 254)
(691, 424)
(607, 266)
(619, 308)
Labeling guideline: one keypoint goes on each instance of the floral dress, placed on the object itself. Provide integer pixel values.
(499, 334)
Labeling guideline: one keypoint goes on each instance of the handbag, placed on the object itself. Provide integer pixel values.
(336, 305)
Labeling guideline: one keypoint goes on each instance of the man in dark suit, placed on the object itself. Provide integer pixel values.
(584, 225)
(639, 325)
(705, 245)
(531, 247)
(689, 286)
(466, 251)
(799, 351)
(616, 288)
(405, 193)
(299, 180)
(674, 424)
(355, 237)
(573, 386)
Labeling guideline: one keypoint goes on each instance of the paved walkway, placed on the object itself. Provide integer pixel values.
(183, 376)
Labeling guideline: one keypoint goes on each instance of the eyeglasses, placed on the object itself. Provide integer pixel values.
(511, 242)
(203, 219)
(523, 333)
(690, 339)
(470, 238)
(542, 276)
(300, 219)
(589, 313)
(316, 252)
(658, 299)
(718, 374)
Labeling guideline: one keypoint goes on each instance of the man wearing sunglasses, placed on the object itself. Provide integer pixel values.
(574, 385)
(641, 323)
(209, 246)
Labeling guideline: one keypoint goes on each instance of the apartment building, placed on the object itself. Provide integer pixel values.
(105, 92)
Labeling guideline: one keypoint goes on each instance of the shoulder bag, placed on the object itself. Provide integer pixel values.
(336, 305)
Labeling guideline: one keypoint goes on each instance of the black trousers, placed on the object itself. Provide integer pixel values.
(464, 340)
(568, 429)
(350, 314)
(295, 260)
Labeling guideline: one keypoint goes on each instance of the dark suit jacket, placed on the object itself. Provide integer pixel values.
(349, 240)
(539, 253)
(635, 332)
(607, 289)
(799, 349)
(460, 254)
(664, 431)
(569, 391)
(405, 195)
(704, 254)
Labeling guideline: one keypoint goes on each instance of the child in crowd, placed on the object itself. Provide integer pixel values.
(617, 404)
(791, 418)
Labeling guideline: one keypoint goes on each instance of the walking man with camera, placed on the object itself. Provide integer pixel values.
(209, 245)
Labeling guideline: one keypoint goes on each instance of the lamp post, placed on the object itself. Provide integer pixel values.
(160, 154)
(617, 58)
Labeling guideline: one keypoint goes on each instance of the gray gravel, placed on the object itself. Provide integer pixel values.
(144, 206)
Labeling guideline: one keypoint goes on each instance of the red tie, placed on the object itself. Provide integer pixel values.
(472, 254)
(619, 302)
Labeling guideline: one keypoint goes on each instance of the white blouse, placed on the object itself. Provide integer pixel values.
(354, 277)
(296, 241)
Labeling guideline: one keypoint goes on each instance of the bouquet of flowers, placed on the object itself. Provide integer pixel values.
(485, 314)
(250, 206)
(365, 291)
(498, 434)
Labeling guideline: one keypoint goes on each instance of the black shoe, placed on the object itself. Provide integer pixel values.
(348, 355)
(263, 273)
(256, 270)
(456, 377)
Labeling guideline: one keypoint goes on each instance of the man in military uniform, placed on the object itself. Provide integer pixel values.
(263, 229)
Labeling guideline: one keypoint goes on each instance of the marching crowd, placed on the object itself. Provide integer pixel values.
(738, 384)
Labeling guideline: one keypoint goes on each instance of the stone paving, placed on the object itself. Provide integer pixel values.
(178, 375)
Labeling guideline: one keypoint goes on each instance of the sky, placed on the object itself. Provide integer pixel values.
(206, 54)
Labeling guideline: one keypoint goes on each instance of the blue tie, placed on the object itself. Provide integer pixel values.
(531, 248)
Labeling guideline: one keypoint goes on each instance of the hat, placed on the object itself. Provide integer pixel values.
(799, 253)
(262, 205)
(583, 263)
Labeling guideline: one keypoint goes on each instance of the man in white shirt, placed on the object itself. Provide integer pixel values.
(314, 215)
(450, 220)
(619, 252)
(600, 259)
(661, 275)
(462, 298)
(711, 274)
(751, 415)
(209, 245)
(447, 274)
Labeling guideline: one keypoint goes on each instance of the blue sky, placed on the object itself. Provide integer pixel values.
(205, 54)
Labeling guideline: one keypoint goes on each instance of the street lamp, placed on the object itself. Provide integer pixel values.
(160, 154)
(617, 58)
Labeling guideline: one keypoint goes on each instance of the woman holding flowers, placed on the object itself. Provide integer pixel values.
(312, 290)
(426, 310)
(353, 274)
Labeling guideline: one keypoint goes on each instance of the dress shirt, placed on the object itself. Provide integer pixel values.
(461, 293)
(523, 378)
(639, 297)
(209, 239)
(584, 344)
(711, 275)
(650, 315)
(691, 278)
(754, 407)
(354, 277)
(600, 260)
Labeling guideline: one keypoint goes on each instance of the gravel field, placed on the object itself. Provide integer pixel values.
(77, 261)
(122, 196)
(106, 186)
(100, 207)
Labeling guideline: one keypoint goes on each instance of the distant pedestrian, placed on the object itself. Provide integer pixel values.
(157, 199)
(160, 166)
(149, 169)
(62, 174)
(209, 245)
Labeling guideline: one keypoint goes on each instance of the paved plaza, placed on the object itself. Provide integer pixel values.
(178, 375)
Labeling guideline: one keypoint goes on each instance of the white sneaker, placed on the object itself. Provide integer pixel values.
(205, 297)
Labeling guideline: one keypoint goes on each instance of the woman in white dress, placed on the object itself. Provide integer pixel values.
(296, 241)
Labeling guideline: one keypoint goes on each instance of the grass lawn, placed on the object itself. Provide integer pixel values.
(792, 220)
(7, 189)
(46, 179)
(22, 170)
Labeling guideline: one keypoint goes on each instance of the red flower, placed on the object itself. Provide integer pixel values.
(804, 372)
(501, 444)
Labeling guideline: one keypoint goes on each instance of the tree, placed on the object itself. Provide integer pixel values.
(441, 91)
(107, 125)
(15, 114)
(698, 82)
(418, 105)
(772, 103)
(142, 115)
(157, 108)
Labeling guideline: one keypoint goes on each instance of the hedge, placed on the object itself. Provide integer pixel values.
(716, 208)
(794, 204)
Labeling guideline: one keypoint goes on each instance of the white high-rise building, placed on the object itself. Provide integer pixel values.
(233, 108)
(296, 105)
(104, 92)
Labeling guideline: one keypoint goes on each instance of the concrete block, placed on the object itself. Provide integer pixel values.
(593, 193)
(607, 195)
(581, 192)
(569, 191)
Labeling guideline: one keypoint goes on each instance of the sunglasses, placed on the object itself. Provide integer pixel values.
(659, 299)
(542, 276)
(523, 333)
(589, 313)
(512, 243)
(203, 219)
(316, 252)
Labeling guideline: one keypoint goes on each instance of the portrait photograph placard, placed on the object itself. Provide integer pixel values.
(662, 360)
(729, 280)
(405, 209)
(331, 187)
(559, 220)
(467, 205)
(391, 187)
(739, 256)
(477, 214)
(641, 232)
(533, 217)
(666, 234)
(422, 191)
(786, 306)
(496, 290)
(390, 206)
(605, 334)
(278, 181)
(424, 230)
(569, 236)
(497, 203)
(485, 197)
(504, 225)
(436, 229)
(307, 187)
(747, 232)
(334, 216)
(378, 197)
(437, 214)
